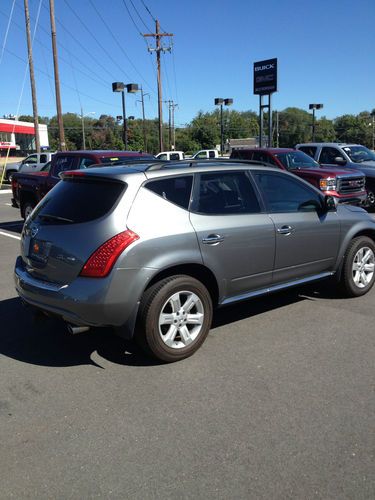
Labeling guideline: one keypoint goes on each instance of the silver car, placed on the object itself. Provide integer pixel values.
(151, 249)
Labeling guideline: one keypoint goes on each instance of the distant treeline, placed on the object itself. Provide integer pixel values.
(203, 132)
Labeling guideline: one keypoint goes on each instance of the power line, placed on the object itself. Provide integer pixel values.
(7, 31)
(148, 10)
(140, 17)
(117, 42)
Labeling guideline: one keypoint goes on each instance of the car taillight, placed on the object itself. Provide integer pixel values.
(14, 183)
(102, 260)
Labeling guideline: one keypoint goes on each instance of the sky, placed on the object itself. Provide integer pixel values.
(325, 51)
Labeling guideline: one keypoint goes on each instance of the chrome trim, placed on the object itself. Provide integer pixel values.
(275, 288)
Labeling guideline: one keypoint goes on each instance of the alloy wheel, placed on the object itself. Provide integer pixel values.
(363, 267)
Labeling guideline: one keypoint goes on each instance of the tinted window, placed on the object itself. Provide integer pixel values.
(296, 159)
(79, 201)
(309, 150)
(162, 157)
(226, 193)
(176, 189)
(328, 155)
(211, 154)
(175, 156)
(242, 154)
(43, 158)
(63, 163)
(85, 162)
(263, 156)
(283, 194)
(358, 154)
(120, 159)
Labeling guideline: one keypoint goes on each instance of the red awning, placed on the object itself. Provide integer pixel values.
(17, 129)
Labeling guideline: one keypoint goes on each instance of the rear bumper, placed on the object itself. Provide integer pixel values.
(111, 301)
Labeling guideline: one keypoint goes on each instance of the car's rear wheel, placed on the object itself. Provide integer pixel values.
(358, 274)
(370, 201)
(9, 175)
(174, 318)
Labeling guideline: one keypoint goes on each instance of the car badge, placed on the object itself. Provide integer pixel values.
(34, 231)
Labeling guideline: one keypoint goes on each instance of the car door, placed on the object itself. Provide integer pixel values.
(29, 164)
(307, 239)
(236, 239)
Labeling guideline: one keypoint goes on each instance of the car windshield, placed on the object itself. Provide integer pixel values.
(296, 159)
(359, 154)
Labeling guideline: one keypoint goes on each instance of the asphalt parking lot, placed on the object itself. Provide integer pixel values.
(278, 403)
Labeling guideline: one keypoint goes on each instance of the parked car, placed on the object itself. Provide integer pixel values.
(170, 155)
(29, 189)
(162, 246)
(348, 186)
(354, 156)
(33, 163)
(205, 154)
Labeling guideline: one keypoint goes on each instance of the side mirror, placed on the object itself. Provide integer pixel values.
(340, 161)
(330, 203)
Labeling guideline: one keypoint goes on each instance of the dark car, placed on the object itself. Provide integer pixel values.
(29, 189)
(348, 186)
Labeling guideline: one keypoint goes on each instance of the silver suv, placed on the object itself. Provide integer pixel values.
(151, 249)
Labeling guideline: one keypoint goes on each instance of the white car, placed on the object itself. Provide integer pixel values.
(33, 163)
(171, 155)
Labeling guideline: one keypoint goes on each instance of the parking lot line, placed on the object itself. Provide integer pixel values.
(10, 235)
(5, 191)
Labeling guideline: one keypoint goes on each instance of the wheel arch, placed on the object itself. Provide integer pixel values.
(365, 231)
(197, 271)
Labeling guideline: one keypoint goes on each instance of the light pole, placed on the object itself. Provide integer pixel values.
(373, 128)
(131, 89)
(220, 102)
(314, 107)
(83, 126)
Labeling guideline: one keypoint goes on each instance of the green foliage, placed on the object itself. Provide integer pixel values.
(295, 126)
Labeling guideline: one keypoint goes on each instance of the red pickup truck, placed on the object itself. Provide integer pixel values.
(347, 185)
(29, 188)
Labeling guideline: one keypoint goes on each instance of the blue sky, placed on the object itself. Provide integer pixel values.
(325, 51)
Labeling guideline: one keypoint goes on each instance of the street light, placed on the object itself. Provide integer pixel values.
(372, 114)
(131, 89)
(82, 116)
(222, 102)
(314, 107)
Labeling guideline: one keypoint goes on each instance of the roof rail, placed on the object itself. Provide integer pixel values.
(199, 163)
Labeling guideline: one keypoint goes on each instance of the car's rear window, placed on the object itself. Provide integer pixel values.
(120, 159)
(76, 201)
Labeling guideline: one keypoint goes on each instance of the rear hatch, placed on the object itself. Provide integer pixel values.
(69, 224)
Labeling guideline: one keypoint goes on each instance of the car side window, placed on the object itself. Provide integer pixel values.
(211, 154)
(177, 190)
(86, 162)
(43, 158)
(175, 156)
(163, 157)
(63, 163)
(226, 193)
(31, 159)
(328, 155)
(262, 156)
(309, 150)
(284, 194)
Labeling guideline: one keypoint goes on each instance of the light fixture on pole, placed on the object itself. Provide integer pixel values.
(82, 116)
(131, 88)
(314, 107)
(222, 102)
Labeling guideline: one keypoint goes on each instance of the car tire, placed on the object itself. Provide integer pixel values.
(370, 200)
(9, 175)
(27, 208)
(174, 318)
(358, 273)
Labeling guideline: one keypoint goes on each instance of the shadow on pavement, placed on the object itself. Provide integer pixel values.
(46, 342)
(13, 226)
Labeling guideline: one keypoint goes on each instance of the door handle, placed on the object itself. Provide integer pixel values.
(212, 239)
(285, 230)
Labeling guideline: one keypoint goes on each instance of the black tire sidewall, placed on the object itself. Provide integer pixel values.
(150, 309)
(349, 287)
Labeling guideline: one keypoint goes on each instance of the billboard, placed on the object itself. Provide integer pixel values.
(265, 77)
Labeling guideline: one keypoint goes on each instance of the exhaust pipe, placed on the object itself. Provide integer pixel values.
(74, 329)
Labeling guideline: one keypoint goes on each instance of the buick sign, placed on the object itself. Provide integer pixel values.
(265, 77)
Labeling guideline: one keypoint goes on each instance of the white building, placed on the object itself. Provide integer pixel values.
(18, 135)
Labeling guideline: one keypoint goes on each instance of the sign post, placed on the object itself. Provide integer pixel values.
(265, 83)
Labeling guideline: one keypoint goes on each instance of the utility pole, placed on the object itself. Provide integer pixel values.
(57, 80)
(143, 118)
(158, 49)
(174, 105)
(32, 76)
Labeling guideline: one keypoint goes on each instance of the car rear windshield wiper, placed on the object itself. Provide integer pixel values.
(50, 217)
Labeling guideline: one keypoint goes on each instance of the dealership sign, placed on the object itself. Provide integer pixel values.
(265, 77)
